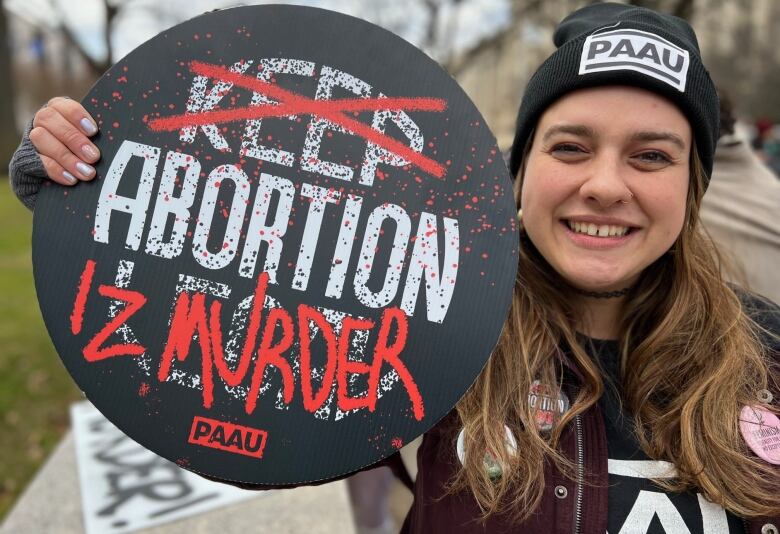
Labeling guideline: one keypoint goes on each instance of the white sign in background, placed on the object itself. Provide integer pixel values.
(125, 487)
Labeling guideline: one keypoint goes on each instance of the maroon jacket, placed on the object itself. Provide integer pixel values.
(568, 507)
(581, 508)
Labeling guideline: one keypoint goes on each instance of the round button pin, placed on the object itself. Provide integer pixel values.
(492, 465)
(761, 430)
(549, 405)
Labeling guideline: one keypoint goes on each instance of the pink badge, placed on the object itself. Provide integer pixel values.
(761, 430)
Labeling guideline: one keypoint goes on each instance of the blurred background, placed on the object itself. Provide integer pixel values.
(56, 47)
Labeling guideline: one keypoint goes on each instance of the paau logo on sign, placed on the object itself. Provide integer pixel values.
(638, 51)
(227, 437)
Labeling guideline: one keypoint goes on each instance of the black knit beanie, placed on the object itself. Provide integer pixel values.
(617, 44)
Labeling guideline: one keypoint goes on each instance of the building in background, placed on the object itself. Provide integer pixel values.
(738, 38)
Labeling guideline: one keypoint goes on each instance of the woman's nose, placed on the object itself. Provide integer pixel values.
(604, 182)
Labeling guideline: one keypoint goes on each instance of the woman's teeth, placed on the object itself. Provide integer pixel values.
(600, 230)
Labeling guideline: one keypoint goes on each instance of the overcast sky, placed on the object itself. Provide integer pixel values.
(472, 21)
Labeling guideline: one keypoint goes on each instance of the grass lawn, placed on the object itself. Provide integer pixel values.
(35, 388)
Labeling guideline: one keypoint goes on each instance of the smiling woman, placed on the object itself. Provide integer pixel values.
(619, 306)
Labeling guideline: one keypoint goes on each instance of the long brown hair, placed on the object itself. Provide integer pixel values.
(691, 358)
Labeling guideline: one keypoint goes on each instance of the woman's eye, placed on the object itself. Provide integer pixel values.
(653, 158)
(566, 148)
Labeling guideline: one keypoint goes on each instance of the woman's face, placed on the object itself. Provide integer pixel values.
(605, 184)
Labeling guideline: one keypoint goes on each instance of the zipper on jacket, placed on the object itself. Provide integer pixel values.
(580, 475)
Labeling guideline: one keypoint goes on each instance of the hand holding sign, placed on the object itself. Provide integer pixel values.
(295, 257)
(60, 135)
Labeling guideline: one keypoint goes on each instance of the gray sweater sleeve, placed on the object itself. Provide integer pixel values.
(27, 171)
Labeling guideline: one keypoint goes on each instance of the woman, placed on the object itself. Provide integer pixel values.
(613, 399)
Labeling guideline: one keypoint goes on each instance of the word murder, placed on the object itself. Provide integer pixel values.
(426, 260)
(198, 321)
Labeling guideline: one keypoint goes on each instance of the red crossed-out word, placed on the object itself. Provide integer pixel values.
(291, 103)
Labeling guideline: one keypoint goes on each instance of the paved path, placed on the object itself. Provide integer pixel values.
(52, 504)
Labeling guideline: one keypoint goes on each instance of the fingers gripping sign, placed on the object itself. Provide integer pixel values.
(60, 133)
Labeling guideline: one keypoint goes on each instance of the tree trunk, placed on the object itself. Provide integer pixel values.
(9, 137)
(97, 67)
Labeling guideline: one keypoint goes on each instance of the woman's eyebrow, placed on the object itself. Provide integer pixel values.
(660, 136)
(578, 130)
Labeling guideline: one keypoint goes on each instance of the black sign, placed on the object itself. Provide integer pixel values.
(297, 255)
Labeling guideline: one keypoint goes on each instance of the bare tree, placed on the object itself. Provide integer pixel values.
(439, 16)
(49, 16)
(97, 66)
(8, 134)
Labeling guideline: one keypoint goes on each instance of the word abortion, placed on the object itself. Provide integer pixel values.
(425, 255)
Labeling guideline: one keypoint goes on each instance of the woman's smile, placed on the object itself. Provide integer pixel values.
(598, 233)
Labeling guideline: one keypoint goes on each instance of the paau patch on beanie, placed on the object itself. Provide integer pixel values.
(637, 50)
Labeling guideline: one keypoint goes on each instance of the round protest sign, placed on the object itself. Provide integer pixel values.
(297, 255)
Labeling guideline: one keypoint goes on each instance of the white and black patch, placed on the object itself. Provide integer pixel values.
(636, 50)
(645, 508)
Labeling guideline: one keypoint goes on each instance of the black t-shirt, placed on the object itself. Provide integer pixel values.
(636, 504)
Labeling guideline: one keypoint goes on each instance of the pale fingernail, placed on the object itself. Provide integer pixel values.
(84, 169)
(89, 151)
(69, 177)
(88, 126)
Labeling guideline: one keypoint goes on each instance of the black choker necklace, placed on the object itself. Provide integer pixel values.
(602, 294)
